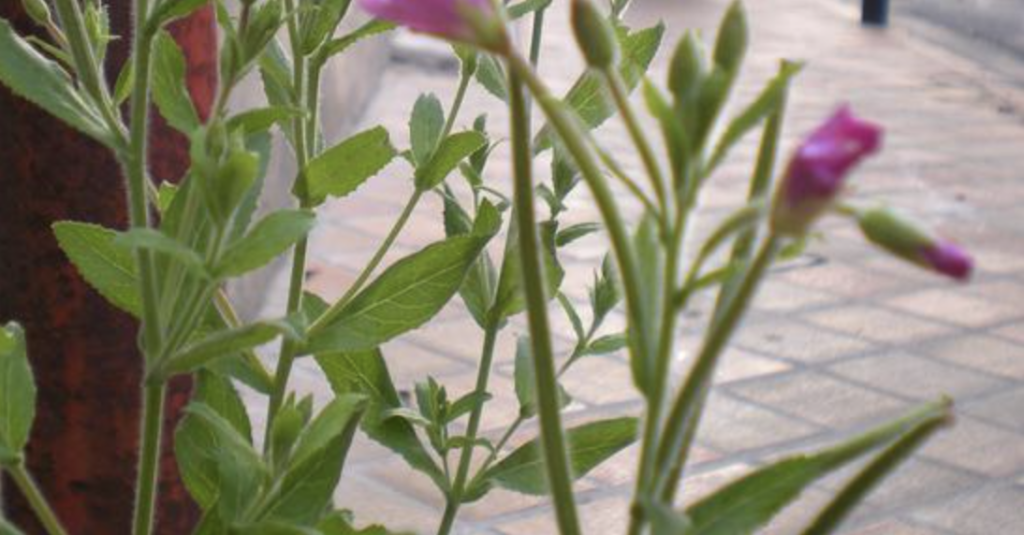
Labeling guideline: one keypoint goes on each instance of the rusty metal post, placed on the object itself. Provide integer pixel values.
(84, 352)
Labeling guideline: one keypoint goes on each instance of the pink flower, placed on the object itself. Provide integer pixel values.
(819, 168)
(444, 18)
(949, 259)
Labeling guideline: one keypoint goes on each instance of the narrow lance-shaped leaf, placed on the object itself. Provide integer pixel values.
(366, 373)
(343, 168)
(452, 150)
(17, 394)
(339, 45)
(404, 297)
(269, 238)
(42, 82)
(589, 446)
(425, 127)
(107, 267)
(225, 344)
(170, 94)
(158, 242)
(749, 503)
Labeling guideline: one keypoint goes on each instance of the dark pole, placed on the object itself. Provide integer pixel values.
(875, 12)
(83, 351)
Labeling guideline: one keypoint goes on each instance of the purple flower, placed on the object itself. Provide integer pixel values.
(444, 18)
(818, 170)
(949, 259)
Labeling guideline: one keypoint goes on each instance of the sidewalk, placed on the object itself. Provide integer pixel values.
(838, 339)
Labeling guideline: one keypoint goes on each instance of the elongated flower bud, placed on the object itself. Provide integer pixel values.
(906, 239)
(456, 20)
(38, 11)
(594, 34)
(818, 170)
(687, 68)
(733, 37)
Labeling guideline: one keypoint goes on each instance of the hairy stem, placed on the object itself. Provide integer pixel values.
(23, 480)
(552, 437)
(149, 458)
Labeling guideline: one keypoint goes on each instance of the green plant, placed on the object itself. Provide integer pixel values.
(170, 272)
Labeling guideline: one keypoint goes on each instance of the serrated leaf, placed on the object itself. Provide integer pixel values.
(525, 381)
(346, 166)
(339, 45)
(452, 150)
(425, 127)
(588, 97)
(403, 298)
(107, 267)
(223, 344)
(575, 232)
(509, 299)
(608, 344)
(307, 487)
(589, 446)
(262, 119)
(269, 238)
(217, 392)
(170, 94)
(171, 10)
(366, 373)
(745, 505)
(491, 75)
(30, 75)
(158, 242)
(17, 392)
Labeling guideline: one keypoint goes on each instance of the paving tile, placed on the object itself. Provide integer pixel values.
(620, 470)
(989, 354)
(978, 447)
(599, 381)
(731, 425)
(842, 279)
(1014, 331)
(987, 512)
(375, 504)
(917, 481)
(956, 307)
(794, 341)
(409, 363)
(820, 399)
(891, 527)
(604, 515)
(697, 487)
(877, 324)
(909, 375)
(1005, 408)
(780, 296)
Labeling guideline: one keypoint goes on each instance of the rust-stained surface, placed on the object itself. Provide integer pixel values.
(83, 350)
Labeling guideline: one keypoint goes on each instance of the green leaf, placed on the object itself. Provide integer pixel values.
(125, 83)
(452, 150)
(403, 298)
(346, 166)
(170, 93)
(465, 405)
(215, 460)
(223, 344)
(158, 242)
(17, 392)
(574, 232)
(8, 529)
(510, 299)
(608, 344)
(589, 446)
(269, 238)
(477, 291)
(218, 392)
(30, 75)
(171, 10)
(588, 97)
(491, 75)
(767, 103)
(319, 23)
(665, 520)
(337, 46)
(107, 267)
(307, 487)
(366, 373)
(749, 503)
(526, 7)
(262, 119)
(425, 128)
(525, 381)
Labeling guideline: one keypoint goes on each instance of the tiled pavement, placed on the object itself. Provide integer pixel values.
(837, 339)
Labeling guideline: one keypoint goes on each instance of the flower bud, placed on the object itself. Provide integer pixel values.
(471, 21)
(38, 11)
(907, 240)
(733, 36)
(595, 35)
(687, 67)
(818, 170)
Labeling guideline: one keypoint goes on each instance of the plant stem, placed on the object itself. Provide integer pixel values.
(552, 437)
(643, 146)
(36, 500)
(588, 165)
(149, 457)
(454, 498)
(684, 416)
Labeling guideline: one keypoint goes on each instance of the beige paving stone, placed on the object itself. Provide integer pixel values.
(409, 363)
(1014, 331)
(909, 375)
(604, 515)
(697, 487)
(989, 512)
(978, 447)
(891, 527)
(599, 381)
(374, 504)
(620, 470)
(952, 306)
(820, 399)
(1005, 408)
(877, 324)
(783, 297)
(842, 279)
(730, 425)
(989, 354)
(791, 340)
